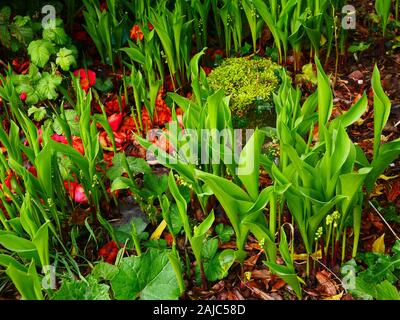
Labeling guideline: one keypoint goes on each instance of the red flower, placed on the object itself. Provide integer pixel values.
(59, 138)
(76, 142)
(103, 6)
(115, 121)
(23, 96)
(7, 181)
(112, 106)
(394, 191)
(160, 140)
(76, 192)
(20, 67)
(136, 33)
(109, 252)
(218, 53)
(40, 135)
(32, 170)
(78, 145)
(207, 70)
(87, 78)
(105, 142)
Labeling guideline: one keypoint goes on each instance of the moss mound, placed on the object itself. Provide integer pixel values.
(250, 83)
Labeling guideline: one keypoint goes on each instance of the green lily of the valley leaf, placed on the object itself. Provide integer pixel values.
(217, 268)
(147, 277)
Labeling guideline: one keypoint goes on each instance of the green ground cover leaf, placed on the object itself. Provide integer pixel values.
(81, 290)
(147, 277)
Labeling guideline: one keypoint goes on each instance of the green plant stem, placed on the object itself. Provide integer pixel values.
(344, 244)
(136, 240)
(272, 213)
(328, 239)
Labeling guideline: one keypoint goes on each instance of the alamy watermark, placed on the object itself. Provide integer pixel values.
(202, 147)
(49, 20)
(49, 279)
(349, 21)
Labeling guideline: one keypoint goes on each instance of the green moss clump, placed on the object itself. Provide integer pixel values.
(248, 82)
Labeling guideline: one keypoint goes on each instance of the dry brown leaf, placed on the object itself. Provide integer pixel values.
(238, 294)
(219, 286)
(394, 192)
(261, 274)
(328, 286)
(261, 294)
(252, 261)
(231, 296)
(278, 285)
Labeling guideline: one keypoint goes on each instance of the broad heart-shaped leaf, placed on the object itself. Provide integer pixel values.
(217, 268)
(157, 185)
(122, 183)
(136, 165)
(104, 271)
(387, 291)
(209, 249)
(148, 277)
(382, 106)
(40, 52)
(199, 234)
(82, 290)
